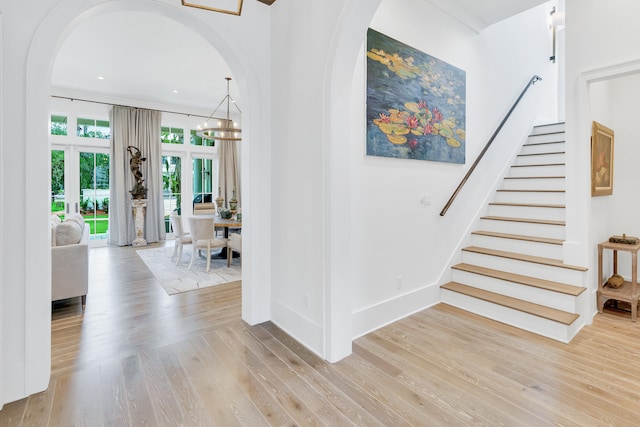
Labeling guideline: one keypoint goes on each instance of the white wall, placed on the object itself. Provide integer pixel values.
(601, 43)
(345, 225)
(393, 234)
(615, 104)
(32, 33)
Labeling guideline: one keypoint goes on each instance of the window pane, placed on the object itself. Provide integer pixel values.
(197, 140)
(94, 192)
(91, 128)
(58, 125)
(169, 135)
(203, 181)
(57, 183)
(171, 180)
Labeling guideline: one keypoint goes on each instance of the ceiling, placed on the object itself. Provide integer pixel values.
(152, 59)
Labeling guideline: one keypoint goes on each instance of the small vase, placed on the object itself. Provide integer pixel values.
(219, 201)
(233, 203)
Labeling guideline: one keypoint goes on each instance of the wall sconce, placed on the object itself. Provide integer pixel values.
(556, 21)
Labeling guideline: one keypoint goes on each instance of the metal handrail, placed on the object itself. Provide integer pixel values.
(533, 80)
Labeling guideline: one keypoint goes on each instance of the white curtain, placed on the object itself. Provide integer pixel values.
(139, 128)
(229, 173)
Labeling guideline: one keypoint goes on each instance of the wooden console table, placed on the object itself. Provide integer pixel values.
(629, 291)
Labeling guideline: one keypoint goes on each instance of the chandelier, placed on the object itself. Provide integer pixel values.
(226, 129)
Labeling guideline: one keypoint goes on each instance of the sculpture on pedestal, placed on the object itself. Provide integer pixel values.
(139, 191)
(138, 194)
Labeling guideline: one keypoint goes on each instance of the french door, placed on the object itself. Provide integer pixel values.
(80, 183)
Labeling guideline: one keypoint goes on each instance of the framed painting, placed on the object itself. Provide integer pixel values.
(232, 7)
(601, 160)
(416, 103)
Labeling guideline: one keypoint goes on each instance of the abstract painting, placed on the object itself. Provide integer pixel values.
(415, 103)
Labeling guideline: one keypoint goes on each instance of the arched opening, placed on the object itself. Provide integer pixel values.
(47, 41)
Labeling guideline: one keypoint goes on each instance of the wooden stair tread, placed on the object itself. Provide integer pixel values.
(534, 177)
(528, 205)
(535, 166)
(534, 282)
(527, 220)
(522, 257)
(513, 303)
(519, 237)
(541, 154)
(504, 190)
(529, 144)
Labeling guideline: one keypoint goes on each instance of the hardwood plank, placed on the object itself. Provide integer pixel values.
(12, 413)
(440, 366)
(525, 220)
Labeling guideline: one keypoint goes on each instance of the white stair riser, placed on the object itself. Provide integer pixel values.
(549, 147)
(548, 170)
(541, 271)
(540, 159)
(533, 184)
(532, 294)
(553, 214)
(524, 228)
(551, 198)
(528, 322)
(551, 128)
(546, 250)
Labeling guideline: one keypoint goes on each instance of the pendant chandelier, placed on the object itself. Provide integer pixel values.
(226, 129)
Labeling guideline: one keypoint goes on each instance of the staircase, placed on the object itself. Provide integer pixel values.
(513, 270)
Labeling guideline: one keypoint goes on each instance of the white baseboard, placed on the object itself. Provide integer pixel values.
(370, 318)
(301, 328)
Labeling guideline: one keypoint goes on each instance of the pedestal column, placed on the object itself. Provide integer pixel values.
(139, 211)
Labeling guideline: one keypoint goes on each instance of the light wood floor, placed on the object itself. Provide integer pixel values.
(138, 357)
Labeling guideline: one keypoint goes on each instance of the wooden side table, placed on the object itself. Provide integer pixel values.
(629, 291)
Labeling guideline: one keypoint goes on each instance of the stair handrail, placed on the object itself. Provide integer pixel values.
(532, 81)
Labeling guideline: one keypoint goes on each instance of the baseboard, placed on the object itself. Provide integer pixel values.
(301, 328)
(374, 317)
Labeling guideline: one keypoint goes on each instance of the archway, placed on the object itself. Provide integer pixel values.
(348, 39)
(46, 42)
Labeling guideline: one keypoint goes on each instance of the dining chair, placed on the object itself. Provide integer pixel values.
(181, 237)
(234, 244)
(203, 238)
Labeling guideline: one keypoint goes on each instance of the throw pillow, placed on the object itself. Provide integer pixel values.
(76, 217)
(68, 233)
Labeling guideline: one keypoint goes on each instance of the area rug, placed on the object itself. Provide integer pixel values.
(178, 278)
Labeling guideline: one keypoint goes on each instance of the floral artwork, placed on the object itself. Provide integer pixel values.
(415, 103)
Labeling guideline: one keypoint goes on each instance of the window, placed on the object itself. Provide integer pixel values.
(94, 192)
(171, 183)
(197, 140)
(58, 125)
(202, 180)
(91, 128)
(57, 183)
(170, 135)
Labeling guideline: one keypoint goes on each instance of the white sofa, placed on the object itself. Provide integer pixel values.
(70, 259)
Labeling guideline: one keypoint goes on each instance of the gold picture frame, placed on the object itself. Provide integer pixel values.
(601, 160)
(222, 6)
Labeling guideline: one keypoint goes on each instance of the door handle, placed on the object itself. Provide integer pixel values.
(76, 207)
(67, 207)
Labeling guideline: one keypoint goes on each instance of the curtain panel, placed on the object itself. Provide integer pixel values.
(139, 128)
(229, 172)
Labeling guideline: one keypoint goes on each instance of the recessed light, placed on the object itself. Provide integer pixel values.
(175, 91)
(100, 78)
